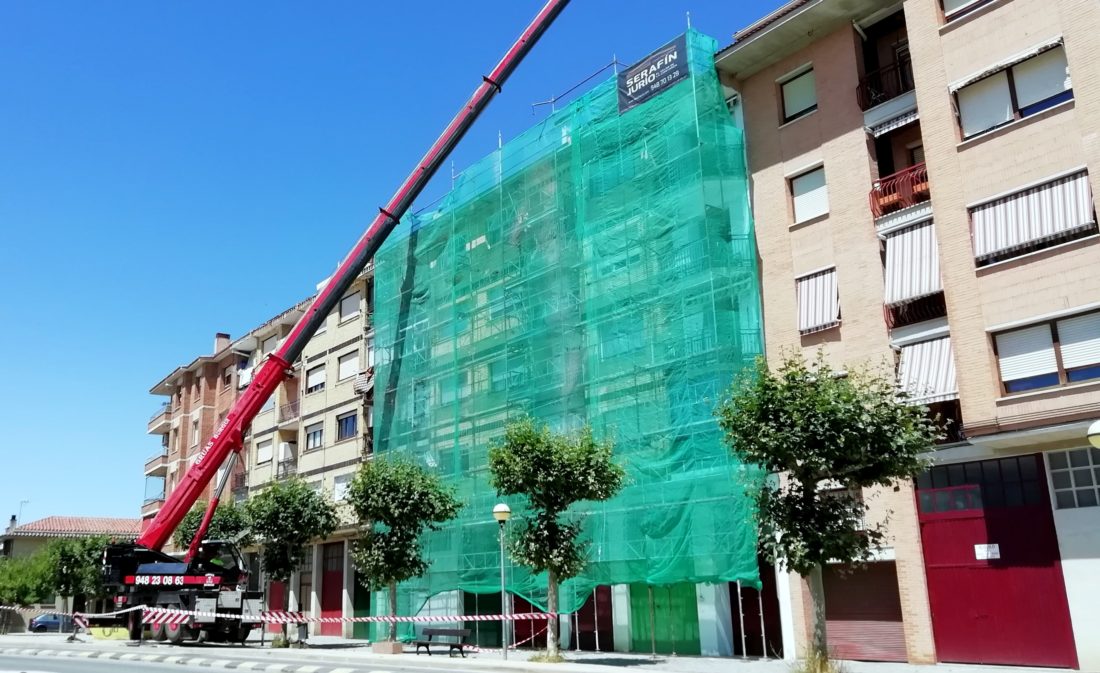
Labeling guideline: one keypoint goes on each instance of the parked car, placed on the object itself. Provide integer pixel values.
(50, 622)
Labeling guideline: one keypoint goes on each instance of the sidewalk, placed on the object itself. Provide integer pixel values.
(349, 655)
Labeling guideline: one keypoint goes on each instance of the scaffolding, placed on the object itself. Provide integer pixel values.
(600, 269)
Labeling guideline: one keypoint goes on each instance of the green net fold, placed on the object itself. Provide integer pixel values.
(600, 269)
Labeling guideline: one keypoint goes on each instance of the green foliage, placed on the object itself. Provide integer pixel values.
(395, 502)
(73, 565)
(828, 436)
(553, 471)
(285, 517)
(25, 579)
(230, 520)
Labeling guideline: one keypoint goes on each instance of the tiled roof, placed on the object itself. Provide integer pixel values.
(78, 526)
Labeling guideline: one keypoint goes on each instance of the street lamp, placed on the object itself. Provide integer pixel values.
(502, 512)
(1094, 434)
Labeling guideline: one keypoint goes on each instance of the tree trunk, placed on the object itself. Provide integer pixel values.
(393, 611)
(552, 608)
(64, 609)
(819, 643)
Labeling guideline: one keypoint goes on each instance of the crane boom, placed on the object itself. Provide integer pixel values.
(228, 438)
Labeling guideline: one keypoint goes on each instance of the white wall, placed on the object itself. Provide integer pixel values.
(715, 619)
(1079, 545)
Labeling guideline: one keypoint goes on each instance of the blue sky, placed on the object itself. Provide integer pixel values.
(173, 169)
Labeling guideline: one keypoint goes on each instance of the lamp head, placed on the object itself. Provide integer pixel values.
(502, 512)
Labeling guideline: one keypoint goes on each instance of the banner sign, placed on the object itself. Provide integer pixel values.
(653, 74)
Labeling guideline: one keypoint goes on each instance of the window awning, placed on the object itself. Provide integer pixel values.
(912, 264)
(894, 123)
(1006, 63)
(1046, 211)
(818, 301)
(927, 371)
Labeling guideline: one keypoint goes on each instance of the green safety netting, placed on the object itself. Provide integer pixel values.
(601, 269)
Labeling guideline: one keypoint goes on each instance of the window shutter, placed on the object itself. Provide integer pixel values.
(1041, 77)
(985, 104)
(799, 94)
(269, 344)
(315, 377)
(263, 451)
(810, 195)
(818, 301)
(349, 305)
(349, 366)
(1079, 338)
(1026, 352)
(340, 486)
(1045, 211)
(912, 264)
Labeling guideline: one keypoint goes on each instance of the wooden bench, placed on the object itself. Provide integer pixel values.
(427, 643)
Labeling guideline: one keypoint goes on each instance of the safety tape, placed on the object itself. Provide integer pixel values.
(284, 617)
(511, 646)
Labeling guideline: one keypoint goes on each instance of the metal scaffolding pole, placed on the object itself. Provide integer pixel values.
(741, 615)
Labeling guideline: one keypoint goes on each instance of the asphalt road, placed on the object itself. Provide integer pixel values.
(10, 664)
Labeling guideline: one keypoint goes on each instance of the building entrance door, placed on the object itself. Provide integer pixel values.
(332, 587)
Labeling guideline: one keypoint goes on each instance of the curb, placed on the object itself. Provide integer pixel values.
(204, 662)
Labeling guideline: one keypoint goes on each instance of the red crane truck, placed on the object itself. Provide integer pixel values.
(211, 577)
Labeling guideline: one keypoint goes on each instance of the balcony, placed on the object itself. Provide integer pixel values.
(901, 190)
(885, 84)
(151, 506)
(157, 466)
(289, 413)
(161, 420)
(238, 485)
(286, 468)
(244, 377)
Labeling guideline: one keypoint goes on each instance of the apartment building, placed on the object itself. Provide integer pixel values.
(317, 427)
(922, 183)
(200, 395)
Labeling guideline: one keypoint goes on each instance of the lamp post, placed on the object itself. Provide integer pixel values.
(1094, 434)
(502, 512)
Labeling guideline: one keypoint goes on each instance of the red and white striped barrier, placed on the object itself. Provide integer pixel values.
(285, 617)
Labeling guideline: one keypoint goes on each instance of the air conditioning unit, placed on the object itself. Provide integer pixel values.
(244, 377)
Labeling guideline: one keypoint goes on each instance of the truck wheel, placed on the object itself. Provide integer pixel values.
(159, 634)
(177, 633)
(243, 632)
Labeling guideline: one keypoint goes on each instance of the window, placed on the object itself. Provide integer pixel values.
(818, 301)
(985, 484)
(346, 425)
(348, 365)
(1050, 354)
(268, 344)
(1039, 217)
(1018, 91)
(370, 352)
(315, 379)
(1075, 476)
(809, 195)
(953, 9)
(195, 432)
(340, 487)
(315, 436)
(227, 376)
(264, 451)
(799, 95)
(926, 371)
(349, 306)
(323, 327)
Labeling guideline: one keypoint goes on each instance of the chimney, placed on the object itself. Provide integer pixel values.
(11, 524)
(221, 342)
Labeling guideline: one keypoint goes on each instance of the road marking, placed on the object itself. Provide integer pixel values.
(342, 670)
(151, 657)
(128, 656)
(85, 654)
(197, 661)
(248, 665)
(308, 669)
(220, 663)
(172, 659)
(275, 668)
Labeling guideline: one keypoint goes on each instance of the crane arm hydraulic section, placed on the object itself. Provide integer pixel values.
(228, 439)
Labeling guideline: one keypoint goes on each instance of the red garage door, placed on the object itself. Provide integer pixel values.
(332, 587)
(863, 612)
(994, 573)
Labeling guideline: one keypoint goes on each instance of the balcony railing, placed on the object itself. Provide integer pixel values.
(157, 465)
(238, 481)
(290, 411)
(163, 409)
(886, 83)
(905, 188)
(286, 468)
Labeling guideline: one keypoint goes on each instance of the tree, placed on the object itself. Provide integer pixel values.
(24, 579)
(827, 437)
(230, 521)
(286, 517)
(395, 502)
(553, 471)
(73, 567)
